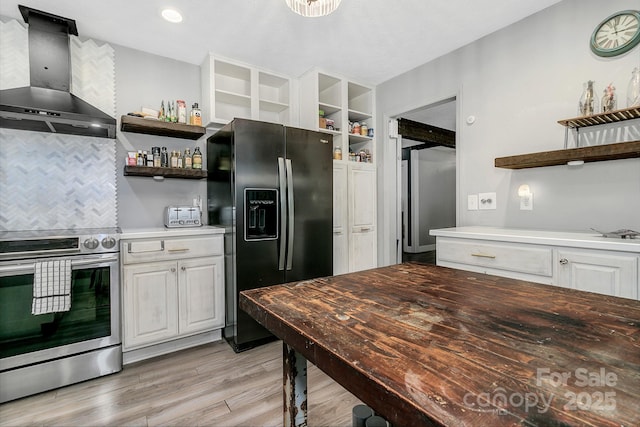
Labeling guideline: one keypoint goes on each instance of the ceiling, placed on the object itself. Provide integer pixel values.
(369, 41)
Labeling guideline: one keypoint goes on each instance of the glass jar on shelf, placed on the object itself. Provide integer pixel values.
(633, 90)
(587, 104)
(609, 99)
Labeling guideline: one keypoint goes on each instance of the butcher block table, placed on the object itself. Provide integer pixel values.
(425, 345)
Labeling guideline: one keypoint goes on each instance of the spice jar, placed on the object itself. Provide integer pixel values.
(356, 128)
(337, 153)
(363, 129)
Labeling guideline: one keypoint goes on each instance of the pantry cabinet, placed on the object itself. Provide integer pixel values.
(340, 219)
(172, 288)
(233, 89)
(329, 103)
(362, 216)
(581, 261)
(354, 217)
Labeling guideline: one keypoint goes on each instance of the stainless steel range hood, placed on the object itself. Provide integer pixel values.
(47, 105)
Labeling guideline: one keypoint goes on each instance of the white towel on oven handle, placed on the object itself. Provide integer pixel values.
(51, 287)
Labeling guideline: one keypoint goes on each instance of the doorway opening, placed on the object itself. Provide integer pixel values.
(427, 138)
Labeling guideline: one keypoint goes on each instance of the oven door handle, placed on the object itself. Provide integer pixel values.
(30, 268)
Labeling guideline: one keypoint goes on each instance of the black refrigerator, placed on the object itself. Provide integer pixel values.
(271, 187)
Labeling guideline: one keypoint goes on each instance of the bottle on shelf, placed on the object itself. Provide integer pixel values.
(164, 158)
(174, 159)
(187, 159)
(195, 118)
(337, 153)
(196, 159)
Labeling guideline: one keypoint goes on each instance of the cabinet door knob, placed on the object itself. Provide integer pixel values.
(183, 268)
(564, 261)
(173, 269)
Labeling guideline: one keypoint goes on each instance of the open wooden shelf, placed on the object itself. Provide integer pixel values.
(156, 127)
(596, 153)
(602, 118)
(164, 172)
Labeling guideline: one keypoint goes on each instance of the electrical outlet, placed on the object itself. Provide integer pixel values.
(487, 200)
(526, 202)
(472, 202)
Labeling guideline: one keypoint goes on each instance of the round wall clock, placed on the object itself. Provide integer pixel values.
(617, 34)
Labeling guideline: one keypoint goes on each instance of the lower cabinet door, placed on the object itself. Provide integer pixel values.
(362, 250)
(149, 306)
(599, 272)
(201, 294)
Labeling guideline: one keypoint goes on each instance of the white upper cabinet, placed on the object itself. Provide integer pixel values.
(232, 89)
(330, 103)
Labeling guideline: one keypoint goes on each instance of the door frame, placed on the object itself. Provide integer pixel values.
(396, 141)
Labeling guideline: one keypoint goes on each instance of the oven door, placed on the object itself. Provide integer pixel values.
(92, 322)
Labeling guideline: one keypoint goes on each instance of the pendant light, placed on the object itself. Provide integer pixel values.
(313, 8)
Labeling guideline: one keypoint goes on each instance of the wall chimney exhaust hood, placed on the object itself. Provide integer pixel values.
(47, 105)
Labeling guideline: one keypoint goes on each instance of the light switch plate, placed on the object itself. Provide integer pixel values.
(472, 202)
(487, 200)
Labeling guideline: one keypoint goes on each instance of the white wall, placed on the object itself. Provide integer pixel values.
(518, 82)
(436, 185)
(143, 79)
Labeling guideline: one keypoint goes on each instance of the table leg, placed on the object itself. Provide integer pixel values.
(294, 387)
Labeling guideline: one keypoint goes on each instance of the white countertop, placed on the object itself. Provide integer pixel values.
(163, 232)
(591, 240)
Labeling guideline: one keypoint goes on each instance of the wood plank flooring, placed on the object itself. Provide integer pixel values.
(208, 385)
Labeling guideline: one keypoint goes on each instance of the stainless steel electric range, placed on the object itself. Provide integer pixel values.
(59, 308)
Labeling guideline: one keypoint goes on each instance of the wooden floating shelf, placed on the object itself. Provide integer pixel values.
(602, 118)
(156, 127)
(597, 153)
(164, 172)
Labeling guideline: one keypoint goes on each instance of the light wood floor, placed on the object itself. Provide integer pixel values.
(208, 385)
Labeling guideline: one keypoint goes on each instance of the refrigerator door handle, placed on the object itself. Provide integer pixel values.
(291, 215)
(283, 212)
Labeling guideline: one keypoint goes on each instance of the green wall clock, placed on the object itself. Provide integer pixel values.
(617, 34)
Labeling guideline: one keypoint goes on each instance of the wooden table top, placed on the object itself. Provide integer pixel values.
(427, 345)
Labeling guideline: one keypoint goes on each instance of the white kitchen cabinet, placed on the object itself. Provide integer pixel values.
(172, 288)
(342, 101)
(354, 183)
(149, 310)
(362, 216)
(515, 260)
(340, 219)
(233, 89)
(354, 217)
(197, 294)
(598, 271)
(581, 261)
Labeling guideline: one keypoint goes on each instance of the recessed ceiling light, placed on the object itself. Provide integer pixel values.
(172, 15)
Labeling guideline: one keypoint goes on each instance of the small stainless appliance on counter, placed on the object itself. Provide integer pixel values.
(182, 216)
(59, 308)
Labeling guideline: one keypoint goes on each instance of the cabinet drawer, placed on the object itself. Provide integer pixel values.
(504, 256)
(150, 250)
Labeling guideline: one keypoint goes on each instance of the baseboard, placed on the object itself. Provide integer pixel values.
(144, 353)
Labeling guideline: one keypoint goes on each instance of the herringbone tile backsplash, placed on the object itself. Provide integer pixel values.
(50, 181)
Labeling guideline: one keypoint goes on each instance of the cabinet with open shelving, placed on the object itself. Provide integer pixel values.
(232, 89)
(595, 153)
(342, 101)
